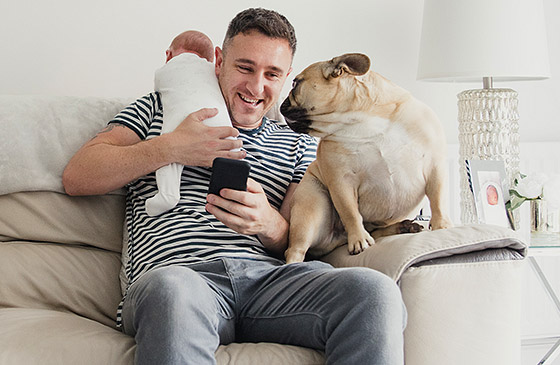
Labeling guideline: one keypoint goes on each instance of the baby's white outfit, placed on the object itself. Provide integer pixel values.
(186, 83)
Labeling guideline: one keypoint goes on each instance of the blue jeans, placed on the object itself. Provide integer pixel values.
(180, 315)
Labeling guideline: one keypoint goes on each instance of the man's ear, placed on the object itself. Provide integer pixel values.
(219, 60)
(168, 55)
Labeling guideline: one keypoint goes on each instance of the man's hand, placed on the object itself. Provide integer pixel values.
(249, 212)
(117, 156)
(195, 144)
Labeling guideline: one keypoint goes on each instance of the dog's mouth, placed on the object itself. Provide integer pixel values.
(296, 117)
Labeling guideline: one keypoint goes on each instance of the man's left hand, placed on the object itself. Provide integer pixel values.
(249, 212)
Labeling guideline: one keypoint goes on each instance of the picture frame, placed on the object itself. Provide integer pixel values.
(490, 188)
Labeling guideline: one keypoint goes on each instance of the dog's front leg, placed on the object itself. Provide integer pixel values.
(310, 219)
(345, 200)
(437, 193)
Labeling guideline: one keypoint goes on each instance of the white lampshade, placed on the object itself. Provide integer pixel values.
(466, 40)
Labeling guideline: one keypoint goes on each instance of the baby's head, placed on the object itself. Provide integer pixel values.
(191, 41)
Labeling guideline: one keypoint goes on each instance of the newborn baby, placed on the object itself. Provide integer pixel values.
(186, 83)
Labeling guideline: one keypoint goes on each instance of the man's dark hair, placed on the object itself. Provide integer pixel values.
(267, 22)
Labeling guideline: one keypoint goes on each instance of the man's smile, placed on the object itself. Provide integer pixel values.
(253, 102)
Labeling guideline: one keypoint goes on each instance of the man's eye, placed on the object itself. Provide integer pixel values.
(245, 69)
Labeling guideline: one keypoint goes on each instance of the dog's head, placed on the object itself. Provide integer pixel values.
(325, 89)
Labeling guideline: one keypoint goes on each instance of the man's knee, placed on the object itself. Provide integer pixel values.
(171, 313)
(171, 288)
(373, 292)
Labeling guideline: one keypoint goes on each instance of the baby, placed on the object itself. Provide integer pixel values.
(186, 83)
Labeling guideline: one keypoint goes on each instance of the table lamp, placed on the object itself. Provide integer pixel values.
(489, 41)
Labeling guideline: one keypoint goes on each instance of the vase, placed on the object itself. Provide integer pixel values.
(539, 215)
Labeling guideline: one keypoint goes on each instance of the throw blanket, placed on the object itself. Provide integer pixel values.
(39, 135)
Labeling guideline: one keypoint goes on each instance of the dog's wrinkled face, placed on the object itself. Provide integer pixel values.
(323, 89)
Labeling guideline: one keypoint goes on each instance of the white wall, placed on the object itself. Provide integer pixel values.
(112, 47)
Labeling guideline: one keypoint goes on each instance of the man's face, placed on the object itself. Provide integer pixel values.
(251, 73)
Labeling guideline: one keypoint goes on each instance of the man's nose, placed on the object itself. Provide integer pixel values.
(256, 84)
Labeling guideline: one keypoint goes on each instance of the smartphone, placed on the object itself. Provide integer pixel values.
(228, 173)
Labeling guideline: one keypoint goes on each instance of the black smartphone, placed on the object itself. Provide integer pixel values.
(228, 173)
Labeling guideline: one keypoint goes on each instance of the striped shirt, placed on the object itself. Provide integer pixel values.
(188, 234)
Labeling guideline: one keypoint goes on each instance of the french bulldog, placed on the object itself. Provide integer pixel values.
(380, 152)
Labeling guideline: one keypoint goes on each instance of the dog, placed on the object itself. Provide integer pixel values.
(380, 152)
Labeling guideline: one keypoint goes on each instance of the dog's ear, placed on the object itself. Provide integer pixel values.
(355, 64)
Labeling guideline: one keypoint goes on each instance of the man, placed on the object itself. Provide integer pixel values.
(207, 273)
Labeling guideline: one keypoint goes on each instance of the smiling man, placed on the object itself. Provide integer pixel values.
(252, 85)
(209, 271)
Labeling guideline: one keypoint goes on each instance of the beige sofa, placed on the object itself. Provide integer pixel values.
(60, 259)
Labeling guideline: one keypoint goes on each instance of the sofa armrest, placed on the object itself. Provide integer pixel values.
(392, 255)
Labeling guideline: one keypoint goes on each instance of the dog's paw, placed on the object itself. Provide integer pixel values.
(358, 243)
(408, 226)
(294, 255)
(441, 223)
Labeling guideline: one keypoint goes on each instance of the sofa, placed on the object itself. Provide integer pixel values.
(61, 262)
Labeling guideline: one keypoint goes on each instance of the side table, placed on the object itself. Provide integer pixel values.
(546, 245)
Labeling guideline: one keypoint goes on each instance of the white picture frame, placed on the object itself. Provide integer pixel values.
(490, 188)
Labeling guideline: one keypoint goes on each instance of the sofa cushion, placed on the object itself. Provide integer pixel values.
(38, 336)
(74, 279)
(53, 217)
(267, 353)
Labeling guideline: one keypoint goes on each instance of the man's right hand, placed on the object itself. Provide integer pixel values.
(195, 144)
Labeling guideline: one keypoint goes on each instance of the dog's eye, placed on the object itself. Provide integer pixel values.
(295, 83)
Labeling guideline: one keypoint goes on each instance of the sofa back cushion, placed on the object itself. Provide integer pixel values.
(66, 278)
(61, 252)
(53, 217)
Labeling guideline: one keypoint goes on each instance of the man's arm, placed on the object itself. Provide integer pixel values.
(117, 156)
(109, 161)
(250, 213)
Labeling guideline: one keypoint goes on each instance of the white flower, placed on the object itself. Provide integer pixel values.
(531, 187)
(551, 192)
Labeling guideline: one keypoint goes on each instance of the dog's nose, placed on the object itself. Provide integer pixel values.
(285, 106)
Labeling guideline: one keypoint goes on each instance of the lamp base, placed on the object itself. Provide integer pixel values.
(488, 130)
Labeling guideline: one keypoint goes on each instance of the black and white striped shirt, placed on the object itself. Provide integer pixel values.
(188, 234)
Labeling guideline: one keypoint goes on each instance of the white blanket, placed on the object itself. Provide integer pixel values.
(39, 135)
